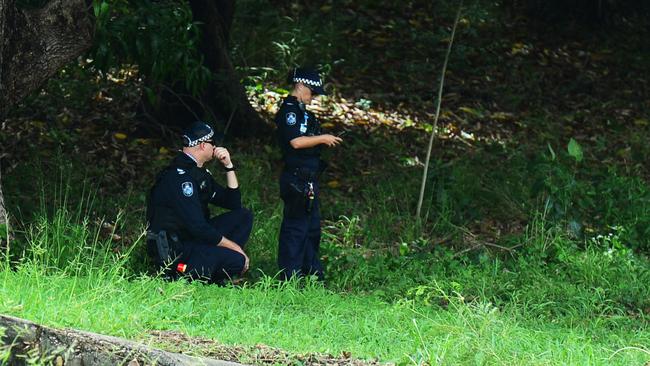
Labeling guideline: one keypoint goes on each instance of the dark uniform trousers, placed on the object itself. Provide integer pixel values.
(300, 232)
(215, 263)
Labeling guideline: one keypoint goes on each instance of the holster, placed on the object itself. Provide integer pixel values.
(295, 203)
(299, 198)
(165, 249)
(162, 254)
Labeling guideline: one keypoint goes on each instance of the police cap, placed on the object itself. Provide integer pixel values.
(196, 133)
(310, 78)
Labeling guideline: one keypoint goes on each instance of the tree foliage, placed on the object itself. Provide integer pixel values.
(588, 11)
(181, 49)
(159, 37)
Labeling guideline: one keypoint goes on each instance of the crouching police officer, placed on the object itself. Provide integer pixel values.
(182, 237)
(300, 139)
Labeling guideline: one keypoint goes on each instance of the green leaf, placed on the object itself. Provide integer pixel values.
(403, 249)
(96, 5)
(103, 9)
(151, 96)
(550, 149)
(575, 150)
(3, 231)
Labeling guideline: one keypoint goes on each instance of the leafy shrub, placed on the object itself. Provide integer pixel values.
(157, 36)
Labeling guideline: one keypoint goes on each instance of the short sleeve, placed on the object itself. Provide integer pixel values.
(289, 123)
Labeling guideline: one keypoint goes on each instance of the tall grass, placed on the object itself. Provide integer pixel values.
(397, 290)
(555, 303)
(313, 319)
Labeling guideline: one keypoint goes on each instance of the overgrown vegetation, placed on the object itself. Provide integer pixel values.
(532, 249)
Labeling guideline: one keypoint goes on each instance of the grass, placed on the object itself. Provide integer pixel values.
(399, 298)
(397, 290)
(525, 255)
(312, 319)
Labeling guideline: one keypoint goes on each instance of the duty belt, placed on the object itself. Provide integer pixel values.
(304, 173)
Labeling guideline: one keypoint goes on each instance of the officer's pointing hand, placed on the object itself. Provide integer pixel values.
(222, 154)
(331, 140)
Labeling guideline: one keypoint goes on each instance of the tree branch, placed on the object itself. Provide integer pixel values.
(435, 121)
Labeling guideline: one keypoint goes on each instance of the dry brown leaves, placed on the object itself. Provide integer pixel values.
(255, 355)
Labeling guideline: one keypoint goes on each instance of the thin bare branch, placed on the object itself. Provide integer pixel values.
(435, 121)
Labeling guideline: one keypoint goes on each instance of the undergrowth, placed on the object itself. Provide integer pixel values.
(397, 289)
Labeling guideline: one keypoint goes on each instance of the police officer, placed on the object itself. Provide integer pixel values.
(177, 210)
(301, 140)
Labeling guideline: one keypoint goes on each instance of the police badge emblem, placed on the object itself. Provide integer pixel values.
(188, 189)
(291, 118)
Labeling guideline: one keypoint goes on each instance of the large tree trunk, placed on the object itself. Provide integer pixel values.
(225, 95)
(34, 44)
(4, 220)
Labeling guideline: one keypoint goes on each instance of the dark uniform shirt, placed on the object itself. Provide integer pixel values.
(294, 120)
(178, 202)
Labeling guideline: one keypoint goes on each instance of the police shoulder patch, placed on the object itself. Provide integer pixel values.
(187, 188)
(291, 118)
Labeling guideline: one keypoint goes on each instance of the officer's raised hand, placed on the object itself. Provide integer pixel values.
(222, 154)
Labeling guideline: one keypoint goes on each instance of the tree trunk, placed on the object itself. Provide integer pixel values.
(73, 347)
(225, 95)
(35, 43)
(4, 220)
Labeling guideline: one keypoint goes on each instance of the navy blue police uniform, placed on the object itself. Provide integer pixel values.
(178, 206)
(300, 232)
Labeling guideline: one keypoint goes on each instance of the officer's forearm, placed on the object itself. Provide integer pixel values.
(231, 179)
(305, 142)
(227, 243)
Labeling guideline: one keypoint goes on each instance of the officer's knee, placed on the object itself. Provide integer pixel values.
(246, 215)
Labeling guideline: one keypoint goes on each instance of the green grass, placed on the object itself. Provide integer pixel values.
(397, 289)
(312, 319)
(553, 303)
(572, 290)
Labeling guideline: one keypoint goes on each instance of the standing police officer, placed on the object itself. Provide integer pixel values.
(300, 139)
(182, 236)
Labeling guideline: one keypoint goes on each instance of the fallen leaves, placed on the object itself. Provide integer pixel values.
(334, 184)
(260, 354)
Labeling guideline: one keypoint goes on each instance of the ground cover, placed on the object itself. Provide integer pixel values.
(309, 319)
(530, 251)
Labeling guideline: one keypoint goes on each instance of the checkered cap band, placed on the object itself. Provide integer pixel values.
(308, 81)
(189, 142)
